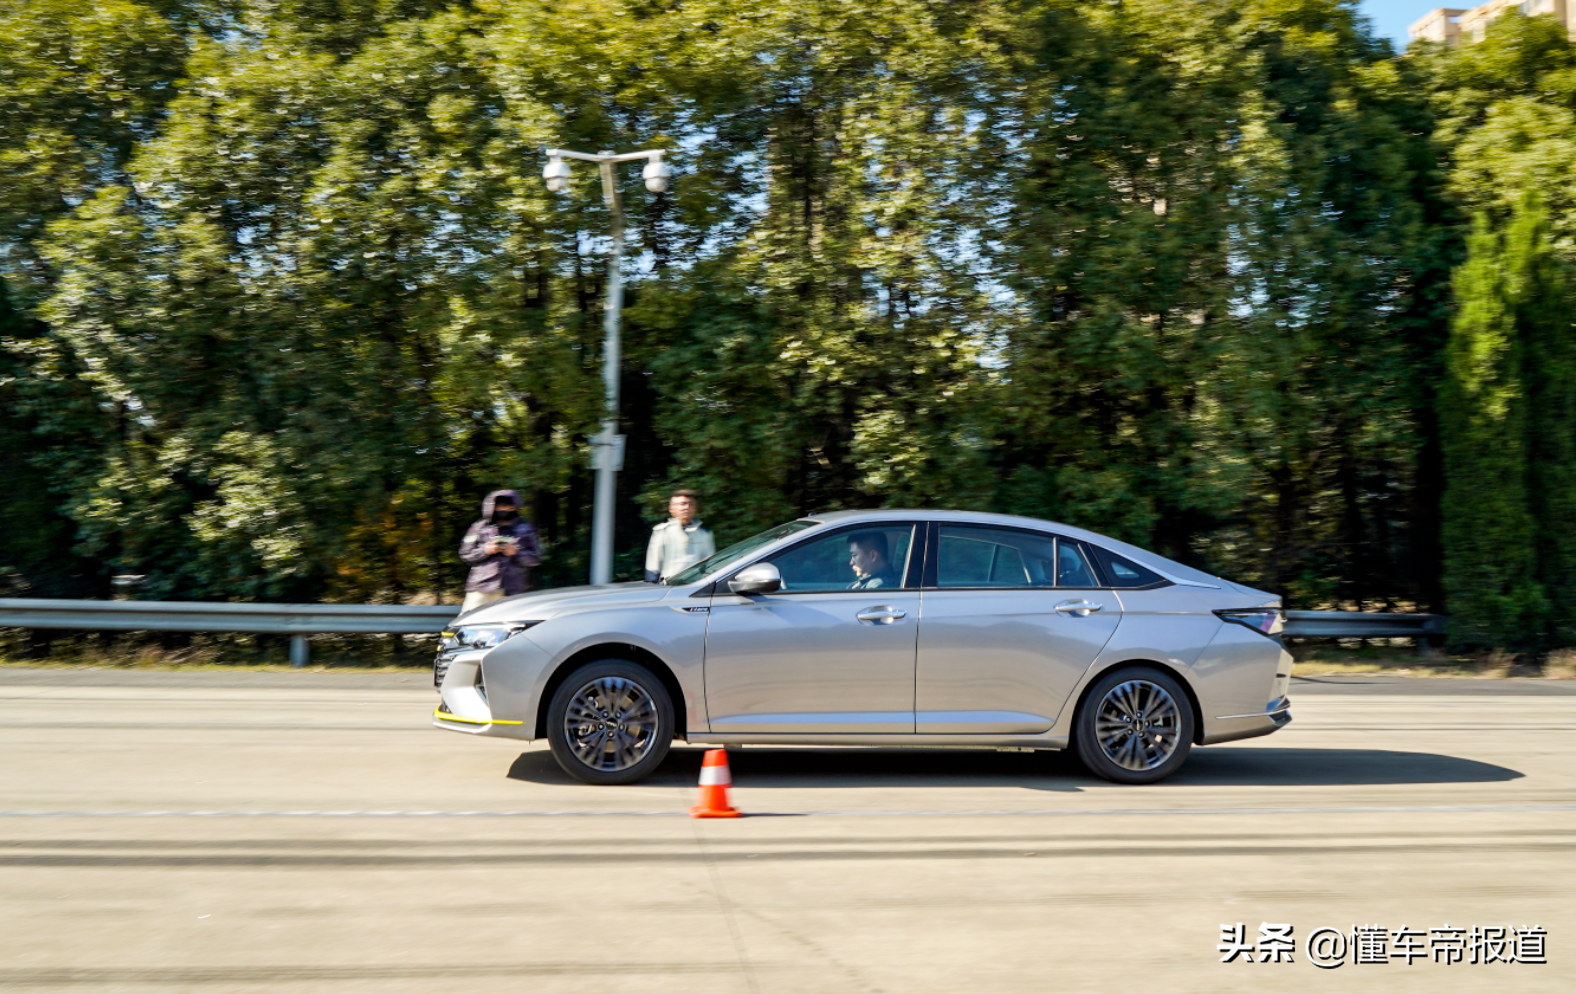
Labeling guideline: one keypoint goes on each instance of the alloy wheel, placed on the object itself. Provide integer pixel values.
(1138, 725)
(610, 724)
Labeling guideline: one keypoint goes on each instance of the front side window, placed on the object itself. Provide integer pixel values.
(979, 556)
(868, 557)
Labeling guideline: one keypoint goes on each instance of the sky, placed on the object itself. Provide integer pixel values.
(1392, 17)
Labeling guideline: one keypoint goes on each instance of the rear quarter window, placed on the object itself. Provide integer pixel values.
(1124, 573)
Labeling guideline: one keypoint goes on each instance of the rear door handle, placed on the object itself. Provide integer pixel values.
(881, 615)
(1081, 609)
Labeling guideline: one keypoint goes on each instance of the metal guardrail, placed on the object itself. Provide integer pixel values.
(296, 620)
(1361, 624)
(300, 620)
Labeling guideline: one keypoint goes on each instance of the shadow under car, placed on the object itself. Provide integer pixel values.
(833, 767)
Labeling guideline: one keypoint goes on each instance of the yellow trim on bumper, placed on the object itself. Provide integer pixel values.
(446, 716)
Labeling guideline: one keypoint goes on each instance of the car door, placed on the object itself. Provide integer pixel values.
(820, 656)
(1012, 619)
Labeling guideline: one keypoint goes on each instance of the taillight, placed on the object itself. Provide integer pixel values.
(1267, 621)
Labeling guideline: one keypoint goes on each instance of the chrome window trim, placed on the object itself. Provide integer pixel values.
(1178, 580)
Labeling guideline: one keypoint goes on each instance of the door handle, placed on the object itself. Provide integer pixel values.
(1081, 609)
(881, 615)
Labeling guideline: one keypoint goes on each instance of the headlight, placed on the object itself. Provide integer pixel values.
(1267, 621)
(483, 636)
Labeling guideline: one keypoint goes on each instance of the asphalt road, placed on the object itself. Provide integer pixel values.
(311, 832)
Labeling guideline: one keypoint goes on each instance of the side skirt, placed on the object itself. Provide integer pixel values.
(931, 741)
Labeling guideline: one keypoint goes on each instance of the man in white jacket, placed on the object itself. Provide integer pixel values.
(679, 542)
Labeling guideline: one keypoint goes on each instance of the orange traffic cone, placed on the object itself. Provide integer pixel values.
(714, 781)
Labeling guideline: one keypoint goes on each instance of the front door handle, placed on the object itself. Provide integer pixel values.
(881, 615)
(1081, 609)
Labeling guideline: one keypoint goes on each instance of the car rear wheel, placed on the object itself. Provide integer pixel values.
(610, 722)
(1136, 726)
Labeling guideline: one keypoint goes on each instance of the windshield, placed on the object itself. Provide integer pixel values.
(733, 553)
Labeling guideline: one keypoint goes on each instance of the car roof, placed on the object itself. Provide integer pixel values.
(904, 514)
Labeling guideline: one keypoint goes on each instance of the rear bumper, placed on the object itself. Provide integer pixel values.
(1230, 727)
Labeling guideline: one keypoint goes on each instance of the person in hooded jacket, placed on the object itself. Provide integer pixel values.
(501, 548)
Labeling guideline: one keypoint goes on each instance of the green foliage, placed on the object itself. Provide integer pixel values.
(1510, 440)
(1507, 121)
(79, 86)
(284, 293)
(1221, 239)
(1490, 539)
(1548, 325)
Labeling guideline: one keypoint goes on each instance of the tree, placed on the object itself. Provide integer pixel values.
(1548, 328)
(1510, 426)
(1490, 556)
(1506, 109)
(286, 293)
(82, 84)
(1226, 283)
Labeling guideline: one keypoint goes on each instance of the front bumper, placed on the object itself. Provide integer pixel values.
(462, 704)
(454, 723)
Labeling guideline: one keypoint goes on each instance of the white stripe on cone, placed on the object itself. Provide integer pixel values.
(714, 776)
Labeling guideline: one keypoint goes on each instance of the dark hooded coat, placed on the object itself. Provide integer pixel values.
(496, 571)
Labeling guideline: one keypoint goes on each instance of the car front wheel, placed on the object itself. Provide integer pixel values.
(611, 722)
(1136, 726)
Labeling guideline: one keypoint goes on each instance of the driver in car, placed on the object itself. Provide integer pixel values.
(869, 556)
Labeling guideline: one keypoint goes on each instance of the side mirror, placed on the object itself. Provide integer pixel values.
(762, 578)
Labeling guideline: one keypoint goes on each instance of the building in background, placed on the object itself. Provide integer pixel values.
(1441, 24)
(1452, 26)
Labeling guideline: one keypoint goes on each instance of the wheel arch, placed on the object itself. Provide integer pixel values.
(615, 650)
(1154, 664)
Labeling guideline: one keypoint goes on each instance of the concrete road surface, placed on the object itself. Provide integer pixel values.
(311, 832)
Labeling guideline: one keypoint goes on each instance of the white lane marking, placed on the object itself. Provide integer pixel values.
(940, 813)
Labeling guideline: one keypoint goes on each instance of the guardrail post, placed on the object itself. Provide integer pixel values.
(299, 653)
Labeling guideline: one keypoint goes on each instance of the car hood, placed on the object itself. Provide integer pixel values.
(543, 604)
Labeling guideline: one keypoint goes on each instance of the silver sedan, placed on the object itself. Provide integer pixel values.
(885, 628)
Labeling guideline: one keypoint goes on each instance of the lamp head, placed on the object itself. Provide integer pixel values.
(556, 174)
(658, 174)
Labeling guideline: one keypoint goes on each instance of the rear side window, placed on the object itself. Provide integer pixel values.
(969, 558)
(972, 556)
(1124, 573)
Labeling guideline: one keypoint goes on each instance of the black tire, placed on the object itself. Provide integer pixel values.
(596, 744)
(1133, 750)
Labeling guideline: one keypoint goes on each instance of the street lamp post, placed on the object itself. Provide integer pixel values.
(607, 447)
